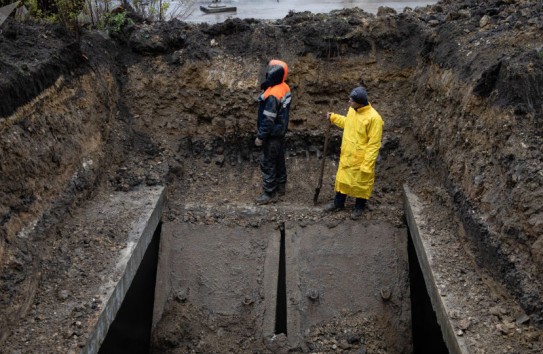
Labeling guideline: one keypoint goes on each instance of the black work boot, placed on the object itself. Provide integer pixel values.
(265, 198)
(280, 190)
(359, 207)
(332, 207)
(357, 213)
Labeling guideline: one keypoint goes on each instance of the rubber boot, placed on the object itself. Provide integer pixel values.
(357, 213)
(265, 198)
(332, 207)
(359, 207)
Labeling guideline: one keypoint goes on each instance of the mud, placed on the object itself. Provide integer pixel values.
(457, 83)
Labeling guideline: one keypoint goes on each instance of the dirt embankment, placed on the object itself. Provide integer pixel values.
(53, 152)
(462, 78)
(477, 111)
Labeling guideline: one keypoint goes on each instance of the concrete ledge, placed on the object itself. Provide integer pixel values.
(140, 235)
(440, 304)
(476, 313)
(89, 264)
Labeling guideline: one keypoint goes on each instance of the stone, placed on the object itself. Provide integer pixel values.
(485, 21)
(352, 339)
(464, 324)
(503, 330)
(496, 311)
(343, 344)
(522, 319)
(537, 251)
(219, 160)
(63, 295)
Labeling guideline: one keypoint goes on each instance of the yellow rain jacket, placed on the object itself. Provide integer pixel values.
(362, 131)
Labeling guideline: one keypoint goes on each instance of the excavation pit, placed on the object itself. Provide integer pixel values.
(86, 120)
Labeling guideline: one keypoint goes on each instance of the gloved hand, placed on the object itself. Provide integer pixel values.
(258, 142)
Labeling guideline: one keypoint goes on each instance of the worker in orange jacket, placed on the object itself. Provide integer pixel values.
(272, 125)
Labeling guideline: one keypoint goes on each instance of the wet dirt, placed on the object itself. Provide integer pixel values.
(457, 83)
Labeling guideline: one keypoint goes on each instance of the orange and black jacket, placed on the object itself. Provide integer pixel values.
(274, 103)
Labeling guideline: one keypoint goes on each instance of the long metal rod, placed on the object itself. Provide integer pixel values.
(319, 185)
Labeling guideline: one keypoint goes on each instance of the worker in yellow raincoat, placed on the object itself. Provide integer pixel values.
(362, 131)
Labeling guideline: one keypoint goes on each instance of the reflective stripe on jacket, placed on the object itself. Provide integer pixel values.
(362, 132)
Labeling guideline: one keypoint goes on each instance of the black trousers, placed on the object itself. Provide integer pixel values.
(272, 163)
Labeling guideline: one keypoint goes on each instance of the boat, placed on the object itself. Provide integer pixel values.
(215, 7)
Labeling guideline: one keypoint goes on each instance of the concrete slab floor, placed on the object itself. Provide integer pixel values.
(353, 267)
(231, 274)
(226, 271)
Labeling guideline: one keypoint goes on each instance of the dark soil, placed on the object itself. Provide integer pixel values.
(458, 85)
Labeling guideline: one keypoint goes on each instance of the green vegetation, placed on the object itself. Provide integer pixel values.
(74, 14)
(115, 22)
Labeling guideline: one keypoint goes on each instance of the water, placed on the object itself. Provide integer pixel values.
(189, 10)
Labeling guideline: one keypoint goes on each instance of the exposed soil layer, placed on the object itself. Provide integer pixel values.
(458, 85)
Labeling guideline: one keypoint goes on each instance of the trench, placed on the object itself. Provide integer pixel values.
(130, 332)
(281, 307)
(427, 335)
(294, 271)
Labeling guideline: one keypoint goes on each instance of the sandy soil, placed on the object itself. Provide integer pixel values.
(458, 85)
